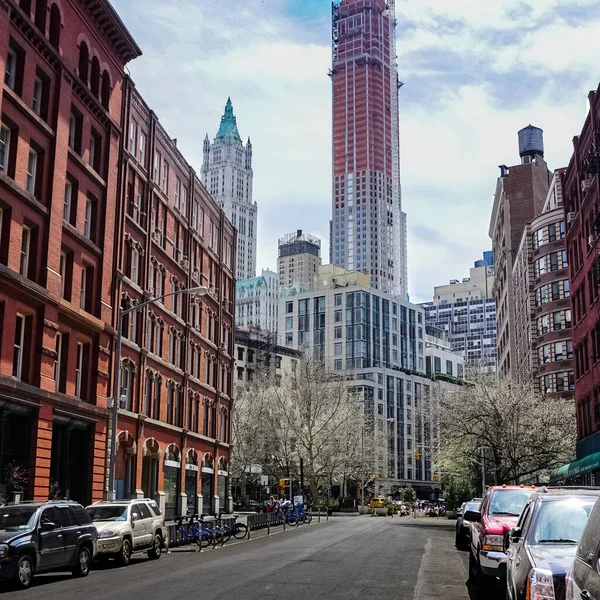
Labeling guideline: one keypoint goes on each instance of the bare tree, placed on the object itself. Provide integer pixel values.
(523, 433)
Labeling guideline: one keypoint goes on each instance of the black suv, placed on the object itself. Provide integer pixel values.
(45, 536)
(544, 542)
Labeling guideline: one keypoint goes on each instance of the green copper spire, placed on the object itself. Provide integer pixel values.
(228, 128)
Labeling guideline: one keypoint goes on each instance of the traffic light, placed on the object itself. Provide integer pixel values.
(417, 454)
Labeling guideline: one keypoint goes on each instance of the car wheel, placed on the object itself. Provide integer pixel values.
(84, 561)
(24, 571)
(124, 557)
(156, 551)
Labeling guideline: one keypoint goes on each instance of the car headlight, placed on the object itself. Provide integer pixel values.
(540, 585)
(3, 550)
(106, 533)
(495, 543)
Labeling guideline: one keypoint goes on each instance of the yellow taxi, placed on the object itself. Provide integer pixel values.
(377, 502)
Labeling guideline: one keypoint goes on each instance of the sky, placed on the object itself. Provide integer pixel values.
(475, 72)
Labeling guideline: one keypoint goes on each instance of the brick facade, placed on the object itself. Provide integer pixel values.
(582, 206)
(59, 146)
(177, 355)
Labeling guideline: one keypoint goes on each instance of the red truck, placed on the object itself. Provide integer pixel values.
(499, 513)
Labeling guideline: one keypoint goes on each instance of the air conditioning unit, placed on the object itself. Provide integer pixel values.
(571, 217)
(586, 184)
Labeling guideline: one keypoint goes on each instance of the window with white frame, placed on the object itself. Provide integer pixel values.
(165, 177)
(172, 347)
(31, 171)
(184, 195)
(25, 249)
(177, 193)
(18, 347)
(79, 370)
(72, 130)
(67, 201)
(4, 147)
(87, 223)
(156, 171)
(83, 289)
(126, 391)
(142, 149)
(135, 265)
(132, 137)
(133, 319)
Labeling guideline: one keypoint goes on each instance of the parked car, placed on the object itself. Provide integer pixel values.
(500, 510)
(128, 526)
(463, 528)
(378, 502)
(45, 536)
(583, 579)
(542, 545)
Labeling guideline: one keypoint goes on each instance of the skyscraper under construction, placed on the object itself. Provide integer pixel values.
(368, 230)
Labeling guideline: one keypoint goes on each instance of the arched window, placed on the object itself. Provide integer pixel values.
(54, 26)
(105, 89)
(41, 7)
(95, 77)
(84, 58)
(25, 6)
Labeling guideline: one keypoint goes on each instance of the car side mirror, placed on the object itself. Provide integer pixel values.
(472, 515)
(48, 526)
(515, 535)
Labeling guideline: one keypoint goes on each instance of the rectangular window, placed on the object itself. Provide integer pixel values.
(25, 250)
(62, 269)
(67, 201)
(18, 347)
(165, 177)
(31, 171)
(557, 321)
(184, 197)
(289, 323)
(79, 370)
(132, 137)
(36, 103)
(58, 362)
(4, 147)
(177, 193)
(558, 351)
(156, 172)
(95, 150)
(142, 149)
(83, 288)
(89, 224)
(10, 69)
(135, 265)
(75, 130)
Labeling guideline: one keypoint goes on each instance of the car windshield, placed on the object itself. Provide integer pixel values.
(17, 518)
(108, 513)
(472, 506)
(562, 521)
(508, 503)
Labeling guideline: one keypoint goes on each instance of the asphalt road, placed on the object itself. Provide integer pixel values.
(344, 558)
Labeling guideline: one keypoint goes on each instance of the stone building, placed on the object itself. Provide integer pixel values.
(60, 135)
(257, 302)
(228, 176)
(299, 260)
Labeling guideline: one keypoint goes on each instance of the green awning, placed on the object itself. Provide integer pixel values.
(579, 467)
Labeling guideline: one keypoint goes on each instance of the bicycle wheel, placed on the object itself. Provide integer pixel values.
(193, 533)
(240, 531)
(205, 539)
(307, 518)
(178, 536)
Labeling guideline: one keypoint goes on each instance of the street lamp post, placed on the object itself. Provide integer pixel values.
(198, 291)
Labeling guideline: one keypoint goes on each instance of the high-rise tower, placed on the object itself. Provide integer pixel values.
(227, 174)
(368, 226)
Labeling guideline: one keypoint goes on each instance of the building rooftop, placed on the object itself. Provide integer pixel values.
(228, 129)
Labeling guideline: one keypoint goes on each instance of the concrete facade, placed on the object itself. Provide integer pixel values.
(542, 306)
(59, 150)
(521, 191)
(177, 354)
(257, 302)
(227, 174)
(299, 260)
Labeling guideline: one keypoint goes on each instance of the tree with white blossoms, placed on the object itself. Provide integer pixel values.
(524, 433)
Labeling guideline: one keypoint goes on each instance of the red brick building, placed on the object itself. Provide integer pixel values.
(60, 136)
(581, 189)
(174, 429)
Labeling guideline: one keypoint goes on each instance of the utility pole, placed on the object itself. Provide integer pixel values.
(482, 471)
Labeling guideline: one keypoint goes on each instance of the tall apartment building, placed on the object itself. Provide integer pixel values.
(520, 195)
(581, 188)
(60, 109)
(377, 341)
(299, 260)
(543, 343)
(177, 356)
(227, 174)
(368, 228)
(257, 302)
(466, 312)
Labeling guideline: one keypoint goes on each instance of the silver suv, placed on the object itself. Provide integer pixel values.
(128, 526)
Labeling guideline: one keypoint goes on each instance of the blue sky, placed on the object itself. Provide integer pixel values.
(475, 72)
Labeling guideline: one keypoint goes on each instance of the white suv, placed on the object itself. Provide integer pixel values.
(128, 526)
